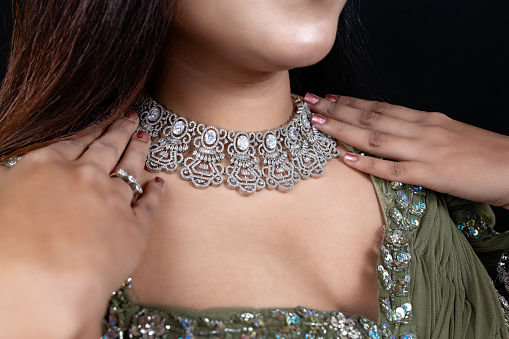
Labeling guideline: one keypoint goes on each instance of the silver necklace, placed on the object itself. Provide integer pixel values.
(273, 159)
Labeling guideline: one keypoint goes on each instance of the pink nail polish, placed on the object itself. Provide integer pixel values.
(331, 98)
(142, 135)
(318, 119)
(131, 116)
(311, 98)
(159, 180)
(350, 157)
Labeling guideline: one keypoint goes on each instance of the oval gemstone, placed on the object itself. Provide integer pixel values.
(242, 142)
(210, 137)
(178, 128)
(154, 114)
(293, 133)
(270, 141)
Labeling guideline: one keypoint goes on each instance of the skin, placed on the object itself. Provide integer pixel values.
(316, 246)
(430, 149)
(53, 217)
(264, 246)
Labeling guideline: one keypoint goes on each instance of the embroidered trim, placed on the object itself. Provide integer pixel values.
(404, 217)
(149, 323)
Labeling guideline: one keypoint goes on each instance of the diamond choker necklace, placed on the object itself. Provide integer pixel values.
(273, 159)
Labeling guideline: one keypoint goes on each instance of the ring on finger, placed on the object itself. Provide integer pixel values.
(131, 180)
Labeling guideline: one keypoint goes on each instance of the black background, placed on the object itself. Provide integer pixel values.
(437, 55)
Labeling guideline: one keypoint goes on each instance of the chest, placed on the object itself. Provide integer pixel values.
(317, 247)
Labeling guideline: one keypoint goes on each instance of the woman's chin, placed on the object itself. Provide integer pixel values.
(301, 55)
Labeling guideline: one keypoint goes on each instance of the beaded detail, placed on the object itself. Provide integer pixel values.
(404, 216)
(474, 227)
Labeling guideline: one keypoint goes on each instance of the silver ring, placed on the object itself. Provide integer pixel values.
(129, 179)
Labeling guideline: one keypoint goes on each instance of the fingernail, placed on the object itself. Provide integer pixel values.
(330, 97)
(131, 116)
(318, 119)
(350, 157)
(159, 180)
(311, 98)
(142, 135)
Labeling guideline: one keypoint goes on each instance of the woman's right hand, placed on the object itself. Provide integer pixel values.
(69, 235)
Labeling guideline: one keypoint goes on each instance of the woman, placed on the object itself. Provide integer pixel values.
(384, 259)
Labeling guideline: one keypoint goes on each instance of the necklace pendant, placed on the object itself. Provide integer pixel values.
(204, 167)
(168, 153)
(277, 171)
(306, 160)
(242, 173)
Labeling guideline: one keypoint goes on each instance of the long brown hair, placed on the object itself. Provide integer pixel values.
(74, 64)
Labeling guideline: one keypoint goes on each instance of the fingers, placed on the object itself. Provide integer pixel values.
(390, 170)
(145, 208)
(106, 151)
(73, 148)
(382, 108)
(133, 160)
(362, 118)
(371, 141)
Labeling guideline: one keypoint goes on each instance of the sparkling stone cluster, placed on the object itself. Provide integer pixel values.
(474, 227)
(503, 270)
(273, 159)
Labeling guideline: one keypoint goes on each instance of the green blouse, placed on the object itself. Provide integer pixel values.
(432, 274)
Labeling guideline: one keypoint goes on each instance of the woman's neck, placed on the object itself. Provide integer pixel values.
(224, 97)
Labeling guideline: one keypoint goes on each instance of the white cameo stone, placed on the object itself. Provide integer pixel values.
(154, 114)
(178, 128)
(210, 137)
(242, 142)
(293, 133)
(270, 141)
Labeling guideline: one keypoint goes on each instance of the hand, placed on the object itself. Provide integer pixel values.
(426, 149)
(69, 236)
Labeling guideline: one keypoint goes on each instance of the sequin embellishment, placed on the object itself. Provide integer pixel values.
(474, 227)
(395, 255)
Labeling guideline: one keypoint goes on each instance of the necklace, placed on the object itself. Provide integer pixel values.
(273, 159)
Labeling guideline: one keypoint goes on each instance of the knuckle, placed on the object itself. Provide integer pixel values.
(138, 149)
(380, 106)
(368, 118)
(106, 145)
(122, 128)
(149, 209)
(331, 108)
(435, 118)
(370, 164)
(74, 142)
(376, 139)
(41, 155)
(345, 100)
(89, 171)
(397, 169)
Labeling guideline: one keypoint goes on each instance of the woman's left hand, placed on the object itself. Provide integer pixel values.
(427, 149)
